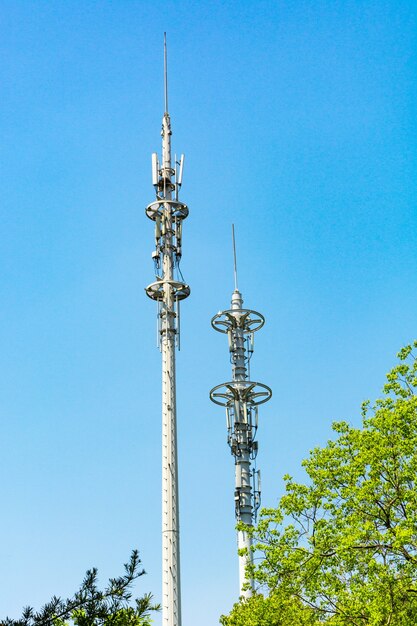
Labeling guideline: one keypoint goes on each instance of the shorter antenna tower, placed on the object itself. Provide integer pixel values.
(241, 397)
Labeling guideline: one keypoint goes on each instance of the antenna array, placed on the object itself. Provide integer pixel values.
(241, 397)
(168, 213)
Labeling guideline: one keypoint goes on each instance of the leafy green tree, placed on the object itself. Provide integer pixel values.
(342, 549)
(92, 607)
(272, 610)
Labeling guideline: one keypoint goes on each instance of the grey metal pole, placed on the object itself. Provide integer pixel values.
(171, 605)
(243, 473)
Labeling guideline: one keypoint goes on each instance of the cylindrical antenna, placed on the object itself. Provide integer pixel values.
(181, 170)
(234, 256)
(165, 73)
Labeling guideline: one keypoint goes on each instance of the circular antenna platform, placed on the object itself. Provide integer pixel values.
(155, 291)
(245, 319)
(156, 208)
(243, 390)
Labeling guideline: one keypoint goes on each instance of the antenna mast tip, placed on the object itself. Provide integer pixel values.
(165, 74)
(234, 257)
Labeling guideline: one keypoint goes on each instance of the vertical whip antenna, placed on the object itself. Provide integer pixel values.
(234, 256)
(168, 213)
(165, 74)
(241, 398)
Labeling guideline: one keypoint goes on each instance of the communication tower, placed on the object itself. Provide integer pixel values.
(241, 397)
(169, 288)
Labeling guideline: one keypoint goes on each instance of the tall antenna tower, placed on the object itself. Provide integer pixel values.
(241, 397)
(168, 290)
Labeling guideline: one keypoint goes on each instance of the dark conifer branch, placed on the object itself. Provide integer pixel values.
(91, 607)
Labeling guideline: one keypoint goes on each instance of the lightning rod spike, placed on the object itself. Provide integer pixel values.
(165, 74)
(234, 257)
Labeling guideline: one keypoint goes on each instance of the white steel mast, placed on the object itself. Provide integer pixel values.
(168, 290)
(241, 397)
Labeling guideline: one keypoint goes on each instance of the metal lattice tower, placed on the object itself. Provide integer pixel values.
(168, 290)
(241, 397)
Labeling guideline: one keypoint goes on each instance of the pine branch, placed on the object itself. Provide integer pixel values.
(98, 607)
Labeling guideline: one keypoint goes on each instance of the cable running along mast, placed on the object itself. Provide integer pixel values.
(241, 397)
(168, 213)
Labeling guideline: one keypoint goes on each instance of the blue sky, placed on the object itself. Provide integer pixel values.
(298, 124)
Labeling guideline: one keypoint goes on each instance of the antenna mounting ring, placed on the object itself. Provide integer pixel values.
(155, 209)
(245, 319)
(156, 291)
(244, 390)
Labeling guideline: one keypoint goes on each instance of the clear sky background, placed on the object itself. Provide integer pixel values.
(298, 121)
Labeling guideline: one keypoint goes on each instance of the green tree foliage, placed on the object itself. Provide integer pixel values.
(342, 549)
(273, 610)
(92, 607)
